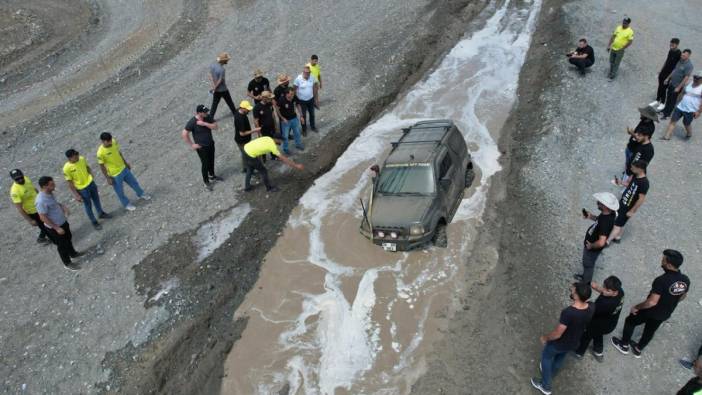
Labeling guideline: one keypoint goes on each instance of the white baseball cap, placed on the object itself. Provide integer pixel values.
(609, 200)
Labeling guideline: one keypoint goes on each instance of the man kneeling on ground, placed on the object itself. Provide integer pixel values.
(582, 57)
(253, 151)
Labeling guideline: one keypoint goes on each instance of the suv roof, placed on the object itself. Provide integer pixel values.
(419, 142)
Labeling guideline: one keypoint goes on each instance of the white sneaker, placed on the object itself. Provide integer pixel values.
(145, 197)
(660, 107)
(654, 103)
(130, 207)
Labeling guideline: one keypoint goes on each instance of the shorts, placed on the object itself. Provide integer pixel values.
(621, 217)
(686, 116)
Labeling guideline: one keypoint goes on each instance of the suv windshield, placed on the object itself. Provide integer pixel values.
(415, 178)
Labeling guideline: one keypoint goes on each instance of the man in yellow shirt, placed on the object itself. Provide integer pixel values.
(23, 194)
(315, 70)
(621, 39)
(253, 151)
(80, 181)
(117, 170)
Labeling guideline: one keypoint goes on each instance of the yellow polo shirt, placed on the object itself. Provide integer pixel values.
(315, 70)
(111, 159)
(622, 37)
(78, 173)
(261, 146)
(24, 194)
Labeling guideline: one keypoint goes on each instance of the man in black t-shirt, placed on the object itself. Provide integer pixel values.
(633, 197)
(607, 308)
(258, 85)
(694, 386)
(565, 337)
(201, 126)
(645, 126)
(670, 62)
(283, 85)
(582, 57)
(667, 291)
(242, 128)
(597, 233)
(288, 110)
(263, 117)
(642, 151)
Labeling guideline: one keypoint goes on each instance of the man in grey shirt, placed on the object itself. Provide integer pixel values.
(53, 215)
(676, 81)
(219, 89)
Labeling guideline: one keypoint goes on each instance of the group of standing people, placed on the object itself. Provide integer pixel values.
(279, 114)
(584, 322)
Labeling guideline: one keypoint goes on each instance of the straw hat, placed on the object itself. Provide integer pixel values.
(283, 78)
(649, 112)
(609, 200)
(266, 95)
(223, 56)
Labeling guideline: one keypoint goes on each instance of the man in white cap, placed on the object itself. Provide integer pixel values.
(597, 234)
(219, 89)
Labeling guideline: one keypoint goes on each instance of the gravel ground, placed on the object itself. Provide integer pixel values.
(143, 316)
(564, 142)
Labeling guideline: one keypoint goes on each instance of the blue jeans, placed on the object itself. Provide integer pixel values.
(90, 196)
(286, 127)
(126, 176)
(551, 362)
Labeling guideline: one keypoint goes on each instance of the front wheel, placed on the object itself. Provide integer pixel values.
(440, 238)
(470, 174)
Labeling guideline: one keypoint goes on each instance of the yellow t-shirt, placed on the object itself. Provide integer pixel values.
(78, 173)
(622, 37)
(25, 194)
(261, 146)
(111, 159)
(315, 70)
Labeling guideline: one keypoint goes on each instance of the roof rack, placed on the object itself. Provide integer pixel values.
(396, 143)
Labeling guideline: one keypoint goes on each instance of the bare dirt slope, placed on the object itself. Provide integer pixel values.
(145, 317)
(565, 141)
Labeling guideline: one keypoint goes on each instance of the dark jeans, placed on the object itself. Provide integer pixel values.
(661, 95)
(671, 99)
(207, 155)
(63, 242)
(91, 197)
(615, 59)
(593, 333)
(307, 107)
(632, 321)
(255, 164)
(581, 64)
(40, 225)
(589, 259)
(551, 362)
(216, 97)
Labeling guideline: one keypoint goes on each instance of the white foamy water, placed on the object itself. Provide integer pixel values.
(213, 234)
(359, 322)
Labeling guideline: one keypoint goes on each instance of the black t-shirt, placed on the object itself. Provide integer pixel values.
(640, 152)
(287, 107)
(575, 321)
(588, 51)
(694, 386)
(671, 286)
(264, 114)
(602, 227)
(607, 309)
(241, 124)
(257, 87)
(280, 90)
(671, 61)
(637, 186)
(644, 124)
(201, 134)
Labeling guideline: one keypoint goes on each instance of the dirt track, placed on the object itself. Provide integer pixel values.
(137, 69)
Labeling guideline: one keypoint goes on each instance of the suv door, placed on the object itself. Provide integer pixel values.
(447, 171)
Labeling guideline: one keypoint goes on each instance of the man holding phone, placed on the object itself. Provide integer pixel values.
(597, 234)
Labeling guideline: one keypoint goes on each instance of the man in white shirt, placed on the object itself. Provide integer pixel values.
(689, 108)
(306, 91)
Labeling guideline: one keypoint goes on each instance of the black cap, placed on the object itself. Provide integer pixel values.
(696, 77)
(71, 152)
(627, 20)
(673, 257)
(16, 173)
(202, 108)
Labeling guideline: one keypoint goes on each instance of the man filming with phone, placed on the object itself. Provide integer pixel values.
(597, 234)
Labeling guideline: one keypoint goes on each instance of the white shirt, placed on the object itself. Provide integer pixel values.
(304, 87)
(692, 99)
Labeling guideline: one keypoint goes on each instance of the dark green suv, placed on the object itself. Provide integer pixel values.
(419, 187)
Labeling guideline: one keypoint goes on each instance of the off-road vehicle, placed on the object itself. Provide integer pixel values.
(419, 187)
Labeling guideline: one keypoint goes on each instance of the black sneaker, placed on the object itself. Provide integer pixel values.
(43, 240)
(105, 216)
(620, 346)
(216, 178)
(578, 356)
(599, 357)
(272, 189)
(97, 226)
(77, 254)
(536, 383)
(72, 267)
(208, 186)
(578, 277)
(635, 350)
(248, 189)
(315, 130)
(686, 363)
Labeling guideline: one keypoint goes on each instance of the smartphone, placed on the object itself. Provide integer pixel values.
(585, 213)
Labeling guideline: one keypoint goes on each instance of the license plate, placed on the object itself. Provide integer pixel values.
(390, 247)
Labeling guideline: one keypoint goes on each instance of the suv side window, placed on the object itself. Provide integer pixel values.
(445, 166)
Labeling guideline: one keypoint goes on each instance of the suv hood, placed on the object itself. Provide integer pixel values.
(399, 211)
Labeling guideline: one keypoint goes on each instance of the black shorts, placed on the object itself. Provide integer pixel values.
(621, 217)
(686, 116)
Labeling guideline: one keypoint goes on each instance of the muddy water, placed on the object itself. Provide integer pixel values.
(334, 314)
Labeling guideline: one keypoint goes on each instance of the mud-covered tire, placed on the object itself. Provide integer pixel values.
(470, 175)
(440, 238)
